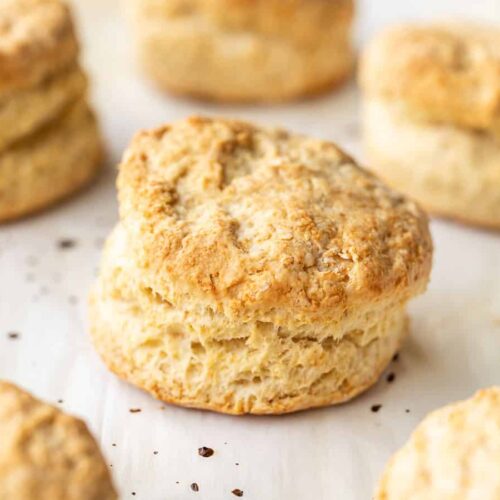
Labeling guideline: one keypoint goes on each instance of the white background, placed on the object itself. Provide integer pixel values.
(329, 454)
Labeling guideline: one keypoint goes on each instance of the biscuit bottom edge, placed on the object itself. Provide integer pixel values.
(265, 371)
(51, 164)
(452, 172)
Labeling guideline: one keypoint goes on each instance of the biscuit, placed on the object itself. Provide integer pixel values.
(431, 117)
(37, 40)
(454, 454)
(50, 164)
(236, 50)
(49, 142)
(21, 112)
(253, 270)
(46, 454)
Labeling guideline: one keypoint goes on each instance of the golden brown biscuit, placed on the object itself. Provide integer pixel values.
(253, 270)
(454, 454)
(432, 117)
(49, 142)
(240, 50)
(50, 164)
(22, 112)
(37, 39)
(441, 73)
(47, 455)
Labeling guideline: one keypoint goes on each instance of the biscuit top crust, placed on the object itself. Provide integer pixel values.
(37, 40)
(302, 20)
(442, 73)
(263, 223)
(46, 454)
(453, 454)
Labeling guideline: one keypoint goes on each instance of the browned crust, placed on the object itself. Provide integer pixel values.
(47, 45)
(382, 225)
(446, 73)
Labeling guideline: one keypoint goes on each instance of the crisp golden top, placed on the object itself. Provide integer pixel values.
(443, 73)
(303, 20)
(454, 454)
(264, 223)
(37, 39)
(45, 454)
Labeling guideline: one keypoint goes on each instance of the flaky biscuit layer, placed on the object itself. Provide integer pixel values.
(37, 40)
(23, 112)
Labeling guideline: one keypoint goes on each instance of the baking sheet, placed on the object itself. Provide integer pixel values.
(335, 453)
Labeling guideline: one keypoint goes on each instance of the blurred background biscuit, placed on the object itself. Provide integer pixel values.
(432, 116)
(237, 50)
(41, 84)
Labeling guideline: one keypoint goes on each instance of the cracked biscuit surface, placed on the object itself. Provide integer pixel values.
(253, 270)
(46, 454)
(240, 50)
(432, 116)
(454, 454)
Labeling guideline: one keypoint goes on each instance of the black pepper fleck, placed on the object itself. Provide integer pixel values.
(205, 452)
(391, 377)
(195, 487)
(135, 410)
(13, 335)
(376, 408)
(155, 453)
(66, 243)
(113, 444)
(407, 411)
(237, 493)
(395, 357)
(60, 401)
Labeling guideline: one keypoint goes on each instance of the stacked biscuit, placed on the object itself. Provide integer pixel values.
(46, 454)
(254, 270)
(233, 50)
(432, 116)
(49, 142)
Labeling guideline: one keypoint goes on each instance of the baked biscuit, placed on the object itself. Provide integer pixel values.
(24, 111)
(37, 40)
(253, 270)
(454, 454)
(432, 117)
(240, 50)
(49, 142)
(50, 164)
(47, 455)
